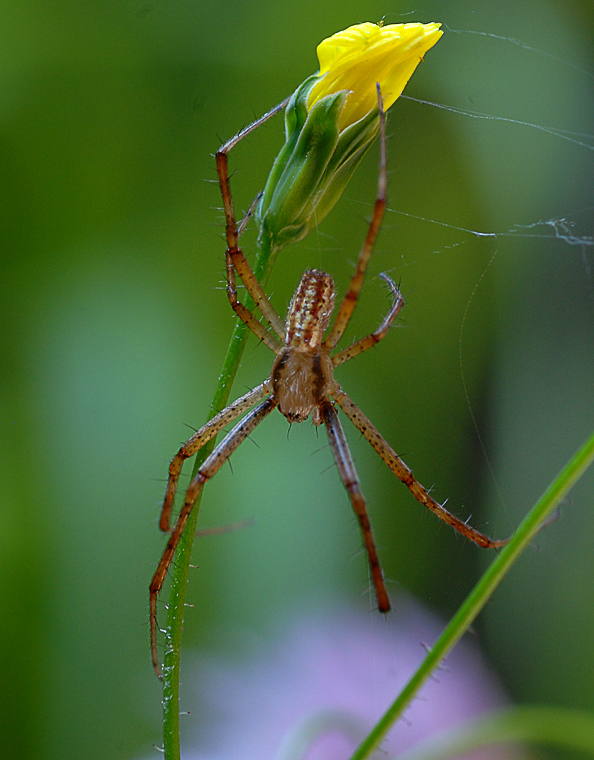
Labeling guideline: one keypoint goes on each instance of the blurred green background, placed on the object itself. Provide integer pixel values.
(115, 324)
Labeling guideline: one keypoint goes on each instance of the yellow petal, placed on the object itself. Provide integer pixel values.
(365, 54)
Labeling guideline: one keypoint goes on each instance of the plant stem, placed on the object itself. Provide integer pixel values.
(481, 593)
(181, 567)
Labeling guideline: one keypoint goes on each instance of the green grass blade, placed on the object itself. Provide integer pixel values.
(481, 593)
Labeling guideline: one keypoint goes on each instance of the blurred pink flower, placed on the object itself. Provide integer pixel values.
(314, 688)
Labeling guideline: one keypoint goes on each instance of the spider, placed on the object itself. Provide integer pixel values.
(301, 383)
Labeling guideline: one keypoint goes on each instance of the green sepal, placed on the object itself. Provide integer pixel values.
(353, 144)
(296, 114)
(298, 185)
(353, 139)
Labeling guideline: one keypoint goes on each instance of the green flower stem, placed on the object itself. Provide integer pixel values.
(560, 727)
(181, 566)
(481, 593)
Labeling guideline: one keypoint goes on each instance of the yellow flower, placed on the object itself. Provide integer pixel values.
(331, 120)
(362, 55)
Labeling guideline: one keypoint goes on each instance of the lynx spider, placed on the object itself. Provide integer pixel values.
(301, 383)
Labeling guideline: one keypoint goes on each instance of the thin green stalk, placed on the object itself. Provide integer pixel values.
(181, 567)
(481, 593)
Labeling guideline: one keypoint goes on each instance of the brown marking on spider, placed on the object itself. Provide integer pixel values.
(300, 384)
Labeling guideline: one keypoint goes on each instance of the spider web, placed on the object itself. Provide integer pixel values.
(566, 236)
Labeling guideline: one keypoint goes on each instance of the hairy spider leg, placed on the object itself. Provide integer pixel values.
(230, 413)
(404, 473)
(197, 441)
(234, 254)
(350, 479)
(211, 465)
(349, 302)
(370, 340)
(254, 288)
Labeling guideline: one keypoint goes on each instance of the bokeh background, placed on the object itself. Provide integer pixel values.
(114, 326)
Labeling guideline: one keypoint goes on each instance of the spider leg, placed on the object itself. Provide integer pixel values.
(250, 212)
(237, 259)
(347, 307)
(348, 475)
(375, 337)
(235, 256)
(404, 473)
(252, 127)
(211, 465)
(197, 441)
(242, 311)
(250, 280)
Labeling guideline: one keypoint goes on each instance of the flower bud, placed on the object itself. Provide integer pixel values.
(332, 119)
